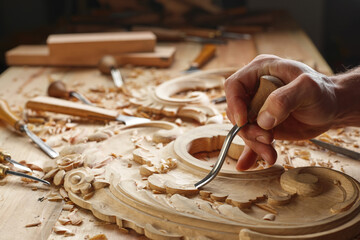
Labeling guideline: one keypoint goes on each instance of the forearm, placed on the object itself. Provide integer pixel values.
(348, 95)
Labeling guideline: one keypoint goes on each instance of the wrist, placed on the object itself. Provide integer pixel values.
(348, 98)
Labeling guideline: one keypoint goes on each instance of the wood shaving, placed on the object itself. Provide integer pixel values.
(59, 178)
(75, 218)
(266, 207)
(32, 166)
(269, 217)
(63, 231)
(99, 237)
(68, 207)
(304, 154)
(35, 224)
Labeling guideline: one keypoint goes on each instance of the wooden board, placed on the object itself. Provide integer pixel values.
(39, 55)
(99, 44)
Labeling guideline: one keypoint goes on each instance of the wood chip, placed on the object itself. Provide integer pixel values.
(99, 237)
(35, 224)
(63, 231)
(75, 218)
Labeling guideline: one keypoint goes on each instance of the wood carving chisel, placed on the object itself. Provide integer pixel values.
(267, 85)
(164, 34)
(5, 157)
(108, 65)
(4, 170)
(43, 103)
(206, 53)
(10, 118)
(337, 149)
(58, 89)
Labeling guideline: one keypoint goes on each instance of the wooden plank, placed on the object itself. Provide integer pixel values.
(39, 55)
(99, 44)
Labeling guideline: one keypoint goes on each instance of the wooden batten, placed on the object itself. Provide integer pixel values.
(39, 55)
(95, 44)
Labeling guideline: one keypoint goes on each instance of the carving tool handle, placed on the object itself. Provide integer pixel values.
(8, 116)
(267, 85)
(56, 105)
(207, 52)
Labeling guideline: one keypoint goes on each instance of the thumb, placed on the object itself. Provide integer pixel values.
(285, 100)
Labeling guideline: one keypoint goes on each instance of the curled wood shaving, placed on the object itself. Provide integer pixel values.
(63, 231)
(68, 207)
(304, 154)
(51, 174)
(269, 217)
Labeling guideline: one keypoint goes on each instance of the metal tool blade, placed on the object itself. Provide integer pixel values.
(128, 120)
(43, 146)
(191, 69)
(116, 75)
(80, 97)
(219, 100)
(27, 176)
(238, 36)
(224, 150)
(344, 151)
(18, 165)
(204, 40)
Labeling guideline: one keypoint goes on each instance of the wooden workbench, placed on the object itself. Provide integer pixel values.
(20, 203)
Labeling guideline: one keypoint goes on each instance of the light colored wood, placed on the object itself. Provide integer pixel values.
(19, 203)
(39, 55)
(159, 100)
(99, 44)
(267, 85)
(232, 204)
(43, 103)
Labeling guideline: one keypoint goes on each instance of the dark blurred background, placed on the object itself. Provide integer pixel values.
(331, 24)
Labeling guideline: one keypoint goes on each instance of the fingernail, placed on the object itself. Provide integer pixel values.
(237, 119)
(262, 139)
(265, 120)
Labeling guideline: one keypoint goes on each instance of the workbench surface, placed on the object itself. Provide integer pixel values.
(21, 203)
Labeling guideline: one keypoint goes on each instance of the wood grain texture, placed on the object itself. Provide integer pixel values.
(89, 44)
(19, 203)
(39, 55)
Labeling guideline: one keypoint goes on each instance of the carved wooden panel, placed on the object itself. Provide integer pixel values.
(196, 105)
(149, 187)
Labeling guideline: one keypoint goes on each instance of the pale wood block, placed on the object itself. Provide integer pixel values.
(95, 44)
(35, 55)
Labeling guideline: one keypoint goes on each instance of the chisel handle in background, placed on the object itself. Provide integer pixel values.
(8, 116)
(207, 52)
(56, 105)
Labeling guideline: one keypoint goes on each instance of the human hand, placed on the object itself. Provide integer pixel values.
(305, 107)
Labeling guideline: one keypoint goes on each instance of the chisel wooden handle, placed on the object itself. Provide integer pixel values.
(8, 116)
(267, 85)
(207, 52)
(43, 103)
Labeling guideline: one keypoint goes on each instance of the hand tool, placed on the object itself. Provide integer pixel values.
(267, 85)
(337, 149)
(206, 53)
(164, 34)
(58, 89)
(19, 125)
(108, 65)
(56, 105)
(219, 100)
(5, 170)
(5, 157)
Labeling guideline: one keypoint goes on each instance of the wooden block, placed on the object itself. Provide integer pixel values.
(35, 55)
(99, 44)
